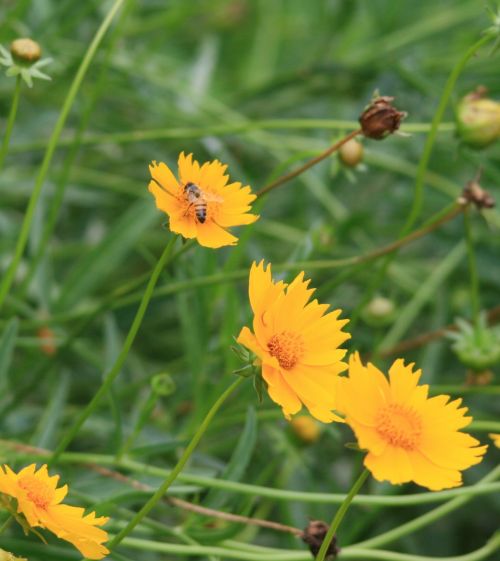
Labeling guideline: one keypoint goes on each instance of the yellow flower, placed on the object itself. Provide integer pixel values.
(39, 500)
(496, 438)
(296, 342)
(307, 429)
(201, 204)
(408, 436)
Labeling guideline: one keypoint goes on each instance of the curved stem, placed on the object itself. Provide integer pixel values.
(158, 495)
(474, 279)
(427, 518)
(117, 366)
(10, 121)
(339, 515)
(431, 137)
(307, 165)
(51, 147)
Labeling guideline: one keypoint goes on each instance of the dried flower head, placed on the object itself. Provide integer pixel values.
(408, 436)
(314, 536)
(39, 500)
(475, 194)
(201, 204)
(297, 344)
(381, 118)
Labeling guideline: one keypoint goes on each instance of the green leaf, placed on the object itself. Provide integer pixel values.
(7, 344)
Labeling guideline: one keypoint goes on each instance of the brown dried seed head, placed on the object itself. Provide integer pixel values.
(314, 535)
(25, 50)
(475, 194)
(380, 118)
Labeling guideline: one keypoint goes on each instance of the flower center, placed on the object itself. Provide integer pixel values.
(38, 491)
(287, 348)
(399, 425)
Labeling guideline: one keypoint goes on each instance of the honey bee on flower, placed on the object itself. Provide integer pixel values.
(201, 204)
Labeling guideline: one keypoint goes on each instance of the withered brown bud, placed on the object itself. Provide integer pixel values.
(25, 50)
(475, 194)
(314, 535)
(479, 378)
(380, 118)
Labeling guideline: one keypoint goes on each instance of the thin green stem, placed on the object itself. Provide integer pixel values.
(6, 523)
(309, 164)
(474, 278)
(117, 366)
(51, 147)
(10, 121)
(427, 518)
(418, 197)
(157, 496)
(339, 515)
(135, 136)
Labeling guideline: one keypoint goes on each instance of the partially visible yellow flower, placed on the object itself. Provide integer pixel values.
(496, 438)
(408, 436)
(39, 500)
(7, 556)
(306, 428)
(297, 343)
(201, 204)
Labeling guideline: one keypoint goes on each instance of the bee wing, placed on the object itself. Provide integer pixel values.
(212, 198)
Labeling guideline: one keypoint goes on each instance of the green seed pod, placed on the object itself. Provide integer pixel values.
(478, 119)
(162, 384)
(477, 346)
(351, 153)
(25, 51)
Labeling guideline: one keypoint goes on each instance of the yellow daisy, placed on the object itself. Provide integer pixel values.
(39, 500)
(297, 343)
(201, 204)
(408, 436)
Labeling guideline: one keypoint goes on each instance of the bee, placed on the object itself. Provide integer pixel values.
(199, 200)
(196, 198)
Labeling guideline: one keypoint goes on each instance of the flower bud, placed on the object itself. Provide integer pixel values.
(351, 153)
(478, 119)
(162, 384)
(380, 118)
(25, 51)
(305, 428)
(477, 346)
(379, 311)
(479, 378)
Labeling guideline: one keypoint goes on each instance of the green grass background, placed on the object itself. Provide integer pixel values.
(213, 78)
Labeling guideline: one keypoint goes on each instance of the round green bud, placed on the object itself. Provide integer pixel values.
(379, 311)
(478, 119)
(162, 384)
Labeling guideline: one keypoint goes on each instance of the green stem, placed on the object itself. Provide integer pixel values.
(10, 121)
(427, 518)
(474, 279)
(418, 196)
(117, 366)
(6, 523)
(51, 147)
(157, 496)
(431, 137)
(339, 515)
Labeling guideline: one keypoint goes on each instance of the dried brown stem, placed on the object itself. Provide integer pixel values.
(284, 178)
(493, 316)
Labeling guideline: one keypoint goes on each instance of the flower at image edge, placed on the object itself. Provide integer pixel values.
(39, 500)
(408, 435)
(214, 206)
(496, 438)
(296, 342)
